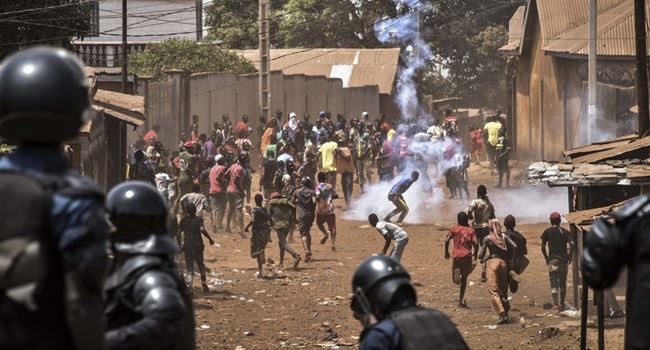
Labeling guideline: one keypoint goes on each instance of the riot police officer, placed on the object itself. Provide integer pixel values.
(622, 242)
(148, 305)
(383, 295)
(53, 229)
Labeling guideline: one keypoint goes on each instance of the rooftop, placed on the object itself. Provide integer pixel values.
(355, 67)
(564, 27)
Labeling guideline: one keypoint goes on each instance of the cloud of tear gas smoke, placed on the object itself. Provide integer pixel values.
(402, 30)
(432, 158)
(424, 195)
(533, 204)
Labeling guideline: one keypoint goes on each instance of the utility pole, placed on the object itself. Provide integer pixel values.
(641, 66)
(418, 57)
(199, 20)
(124, 47)
(592, 112)
(265, 58)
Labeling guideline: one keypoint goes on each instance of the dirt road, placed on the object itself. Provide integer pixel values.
(309, 308)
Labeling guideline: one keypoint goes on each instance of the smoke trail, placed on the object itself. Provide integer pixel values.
(402, 30)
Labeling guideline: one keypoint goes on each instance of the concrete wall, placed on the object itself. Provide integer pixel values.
(213, 94)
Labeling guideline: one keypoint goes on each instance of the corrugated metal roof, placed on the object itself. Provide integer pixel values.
(624, 151)
(129, 108)
(557, 17)
(370, 66)
(599, 146)
(515, 30)
(564, 27)
(586, 217)
(343, 72)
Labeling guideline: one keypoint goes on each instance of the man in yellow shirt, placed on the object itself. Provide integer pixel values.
(327, 155)
(492, 130)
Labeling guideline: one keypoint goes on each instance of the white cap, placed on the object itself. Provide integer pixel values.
(364, 114)
(292, 115)
(217, 157)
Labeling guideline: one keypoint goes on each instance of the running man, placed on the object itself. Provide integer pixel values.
(481, 211)
(390, 232)
(325, 194)
(464, 253)
(395, 196)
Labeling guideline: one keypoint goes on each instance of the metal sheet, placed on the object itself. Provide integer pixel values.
(370, 66)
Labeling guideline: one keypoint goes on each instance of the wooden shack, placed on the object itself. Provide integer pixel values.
(599, 178)
(547, 68)
(102, 144)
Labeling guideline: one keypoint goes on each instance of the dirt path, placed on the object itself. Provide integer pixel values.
(309, 308)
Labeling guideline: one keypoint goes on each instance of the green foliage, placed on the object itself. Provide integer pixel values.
(333, 23)
(187, 55)
(464, 36)
(235, 23)
(41, 22)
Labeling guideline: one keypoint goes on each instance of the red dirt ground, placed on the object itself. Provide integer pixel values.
(309, 308)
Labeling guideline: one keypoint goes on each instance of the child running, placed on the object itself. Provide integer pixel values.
(305, 201)
(390, 232)
(261, 222)
(325, 194)
(464, 253)
(395, 196)
(192, 228)
(282, 213)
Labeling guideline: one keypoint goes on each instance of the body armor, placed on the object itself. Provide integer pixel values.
(608, 248)
(148, 306)
(423, 329)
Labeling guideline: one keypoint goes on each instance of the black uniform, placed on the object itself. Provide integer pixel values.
(148, 305)
(382, 288)
(53, 229)
(609, 248)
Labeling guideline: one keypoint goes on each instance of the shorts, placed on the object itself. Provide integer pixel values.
(481, 232)
(258, 242)
(235, 200)
(330, 219)
(464, 265)
(304, 225)
(217, 200)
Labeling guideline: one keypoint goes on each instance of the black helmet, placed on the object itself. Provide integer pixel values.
(306, 181)
(139, 213)
(378, 279)
(43, 96)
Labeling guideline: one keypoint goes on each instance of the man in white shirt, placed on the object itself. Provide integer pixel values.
(390, 232)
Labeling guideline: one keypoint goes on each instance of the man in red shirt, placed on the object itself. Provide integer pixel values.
(235, 195)
(464, 254)
(218, 185)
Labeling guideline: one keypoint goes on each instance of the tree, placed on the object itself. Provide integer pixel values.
(299, 23)
(333, 23)
(464, 36)
(42, 22)
(235, 22)
(187, 55)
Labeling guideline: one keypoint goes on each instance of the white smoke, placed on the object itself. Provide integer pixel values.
(534, 204)
(403, 30)
(427, 199)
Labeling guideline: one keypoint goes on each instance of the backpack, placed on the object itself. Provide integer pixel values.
(31, 272)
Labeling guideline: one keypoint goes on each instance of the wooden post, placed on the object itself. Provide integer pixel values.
(584, 311)
(641, 66)
(124, 47)
(600, 304)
